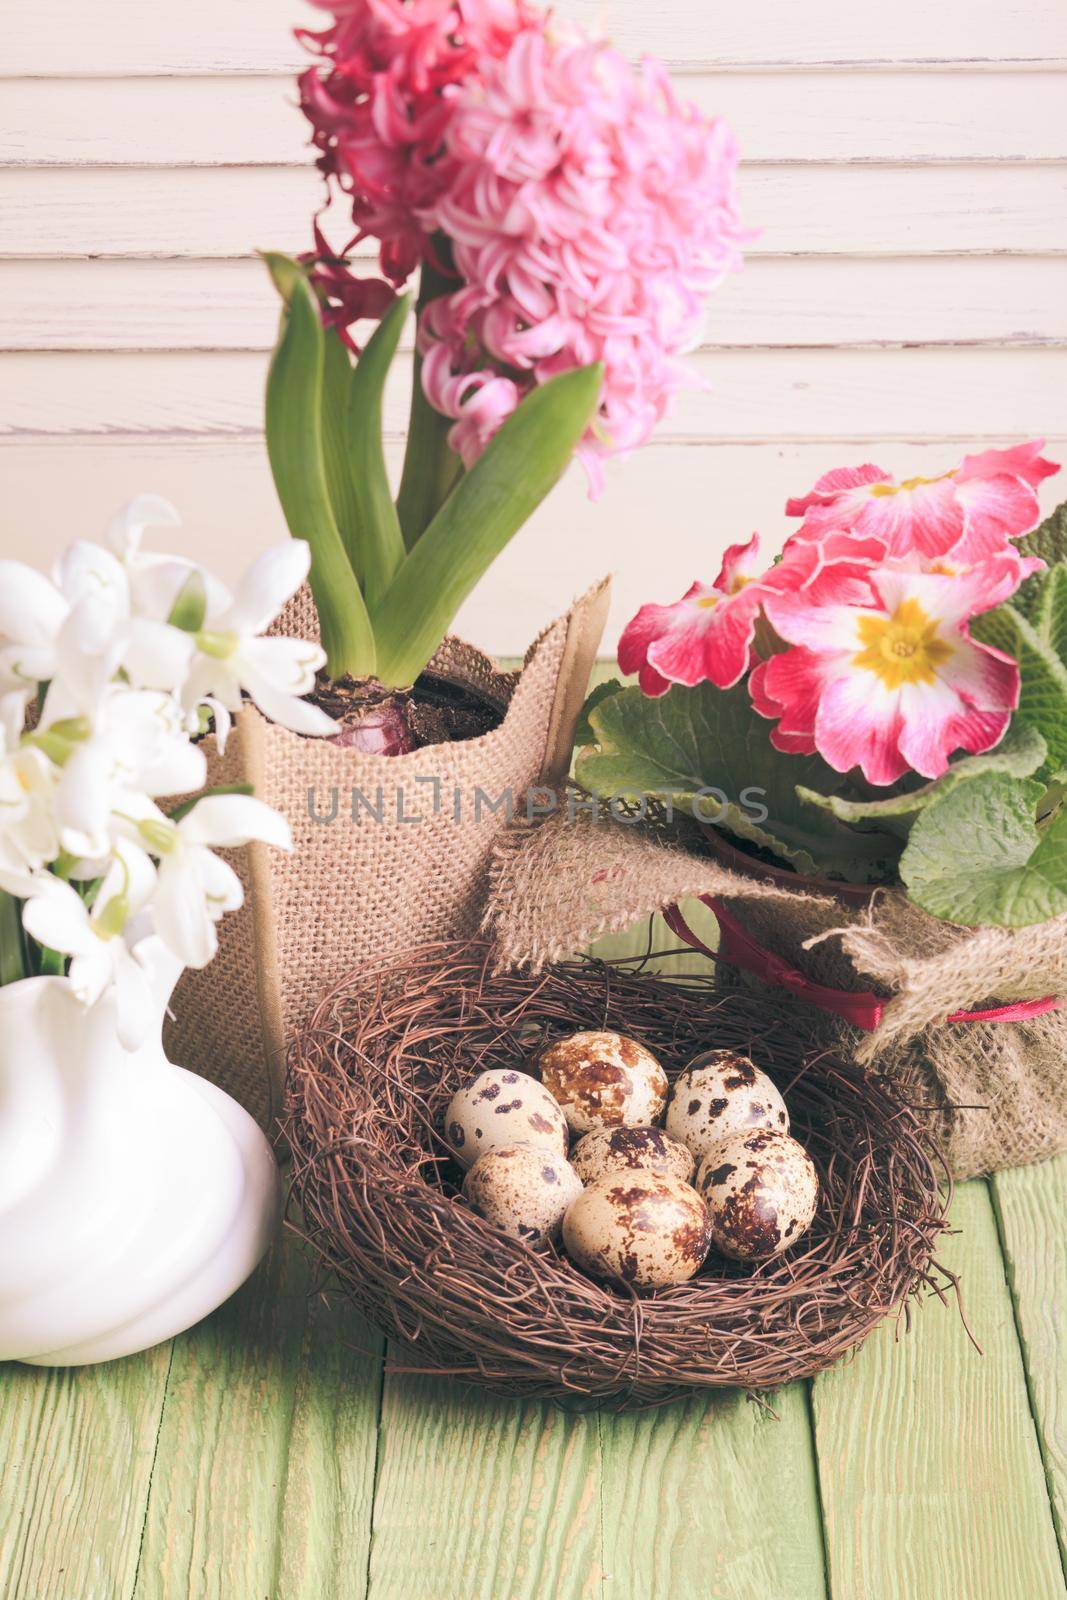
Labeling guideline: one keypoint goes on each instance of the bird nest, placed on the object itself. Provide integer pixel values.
(380, 1201)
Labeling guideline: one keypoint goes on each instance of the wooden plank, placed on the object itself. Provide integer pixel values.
(480, 1498)
(264, 1471)
(212, 213)
(664, 518)
(713, 1497)
(811, 302)
(757, 394)
(1030, 1205)
(75, 1473)
(931, 1478)
(118, 37)
(795, 117)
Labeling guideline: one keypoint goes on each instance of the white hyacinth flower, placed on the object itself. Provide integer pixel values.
(59, 919)
(234, 659)
(194, 887)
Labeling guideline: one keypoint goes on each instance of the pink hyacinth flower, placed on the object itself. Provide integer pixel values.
(706, 635)
(964, 515)
(589, 213)
(893, 687)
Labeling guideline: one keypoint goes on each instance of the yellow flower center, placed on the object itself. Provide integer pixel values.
(881, 491)
(707, 602)
(903, 648)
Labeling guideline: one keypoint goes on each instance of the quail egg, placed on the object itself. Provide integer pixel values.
(721, 1093)
(522, 1189)
(647, 1230)
(604, 1080)
(761, 1189)
(503, 1106)
(631, 1150)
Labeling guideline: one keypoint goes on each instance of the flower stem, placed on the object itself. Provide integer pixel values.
(430, 466)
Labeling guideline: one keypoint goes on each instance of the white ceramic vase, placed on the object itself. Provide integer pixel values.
(134, 1197)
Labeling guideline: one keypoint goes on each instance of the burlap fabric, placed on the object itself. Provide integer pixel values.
(998, 1091)
(405, 859)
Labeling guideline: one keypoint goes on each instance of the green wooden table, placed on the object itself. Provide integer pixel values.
(274, 1453)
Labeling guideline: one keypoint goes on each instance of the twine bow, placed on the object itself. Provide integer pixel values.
(864, 1010)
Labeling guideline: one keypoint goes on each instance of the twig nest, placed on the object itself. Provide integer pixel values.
(646, 1230)
(761, 1189)
(503, 1106)
(721, 1093)
(631, 1150)
(604, 1080)
(522, 1189)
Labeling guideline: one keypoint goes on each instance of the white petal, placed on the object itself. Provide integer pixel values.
(299, 716)
(234, 819)
(91, 973)
(178, 767)
(157, 656)
(56, 917)
(138, 1009)
(181, 916)
(83, 801)
(222, 888)
(271, 580)
(32, 610)
(146, 511)
(89, 572)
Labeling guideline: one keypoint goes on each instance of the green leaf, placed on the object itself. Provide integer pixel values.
(1051, 617)
(190, 608)
(584, 732)
(689, 741)
(337, 374)
(381, 543)
(294, 444)
(1043, 691)
(1020, 753)
(975, 856)
(486, 509)
(1049, 541)
(12, 948)
(431, 466)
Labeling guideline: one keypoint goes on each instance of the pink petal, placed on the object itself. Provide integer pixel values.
(740, 563)
(859, 724)
(996, 509)
(832, 484)
(937, 724)
(1020, 461)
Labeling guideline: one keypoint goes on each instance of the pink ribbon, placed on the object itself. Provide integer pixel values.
(864, 1010)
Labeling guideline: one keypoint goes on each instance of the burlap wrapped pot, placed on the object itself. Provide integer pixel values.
(405, 861)
(997, 1090)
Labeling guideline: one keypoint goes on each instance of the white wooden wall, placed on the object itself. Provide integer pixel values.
(907, 298)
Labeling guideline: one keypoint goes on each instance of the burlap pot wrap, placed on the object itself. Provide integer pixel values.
(998, 1090)
(406, 857)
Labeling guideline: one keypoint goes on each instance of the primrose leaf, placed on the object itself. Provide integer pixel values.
(1043, 690)
(1049, 541)
(976, 856)
(1021, 752)
(708, 751)
(1051, 615)
(584, 733)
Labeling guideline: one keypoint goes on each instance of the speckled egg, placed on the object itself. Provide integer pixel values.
(761, 1189)
(503, 1106)
(522, 1189)
(719, 1094)
(604, 1080)
(643, 1229)
(631, 1150)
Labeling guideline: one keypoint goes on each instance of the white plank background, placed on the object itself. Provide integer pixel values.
(905, 301)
